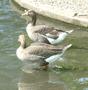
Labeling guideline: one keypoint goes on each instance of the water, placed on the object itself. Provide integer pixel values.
(73, 75)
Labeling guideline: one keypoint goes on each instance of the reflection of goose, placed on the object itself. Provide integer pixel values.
(38, 52)
(40, 80)
(43, 33)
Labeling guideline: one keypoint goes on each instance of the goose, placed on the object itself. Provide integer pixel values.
(39, 52)
(43, 33)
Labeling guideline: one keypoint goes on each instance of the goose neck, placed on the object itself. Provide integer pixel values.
(33, 20)
(23, 44)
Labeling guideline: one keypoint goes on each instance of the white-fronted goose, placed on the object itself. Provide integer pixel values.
(38, 52)
(43, 33)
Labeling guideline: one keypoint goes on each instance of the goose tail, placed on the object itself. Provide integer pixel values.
(66, 47)
(56, 57)
(53, 58)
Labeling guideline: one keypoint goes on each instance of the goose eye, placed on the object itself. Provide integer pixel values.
(25, 10)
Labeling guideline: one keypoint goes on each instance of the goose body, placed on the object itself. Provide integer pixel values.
(38, 52)
(43, 33)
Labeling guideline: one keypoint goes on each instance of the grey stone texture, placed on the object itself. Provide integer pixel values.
(70, 11)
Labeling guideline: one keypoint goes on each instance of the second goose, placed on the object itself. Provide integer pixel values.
(38, 52)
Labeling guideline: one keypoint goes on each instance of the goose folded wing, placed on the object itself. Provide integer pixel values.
(44, 50)
(44, 30)
(50, 32)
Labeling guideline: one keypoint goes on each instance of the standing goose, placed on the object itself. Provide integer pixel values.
(43, 33)
(38, 52)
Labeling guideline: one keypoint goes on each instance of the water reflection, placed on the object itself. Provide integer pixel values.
(52, 80)
(40, 80)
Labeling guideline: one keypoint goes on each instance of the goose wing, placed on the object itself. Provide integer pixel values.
(42, 29)
(43, 49)
(48, 31)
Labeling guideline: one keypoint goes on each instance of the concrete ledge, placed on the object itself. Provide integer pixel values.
(46, 9)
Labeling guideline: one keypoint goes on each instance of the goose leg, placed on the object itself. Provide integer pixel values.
(44, 65)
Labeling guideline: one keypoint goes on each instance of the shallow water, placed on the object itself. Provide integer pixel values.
(73, 75)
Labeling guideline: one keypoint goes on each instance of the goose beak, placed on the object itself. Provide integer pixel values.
(25, 13)
(18, 40)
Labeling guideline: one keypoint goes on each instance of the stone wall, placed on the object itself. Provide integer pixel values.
(70, 11)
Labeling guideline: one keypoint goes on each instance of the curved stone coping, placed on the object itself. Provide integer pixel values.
(49, 11)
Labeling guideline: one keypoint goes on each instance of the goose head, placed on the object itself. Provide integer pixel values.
(32, 14)
(21, 40)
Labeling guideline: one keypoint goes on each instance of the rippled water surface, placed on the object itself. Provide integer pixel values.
(74, 76)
